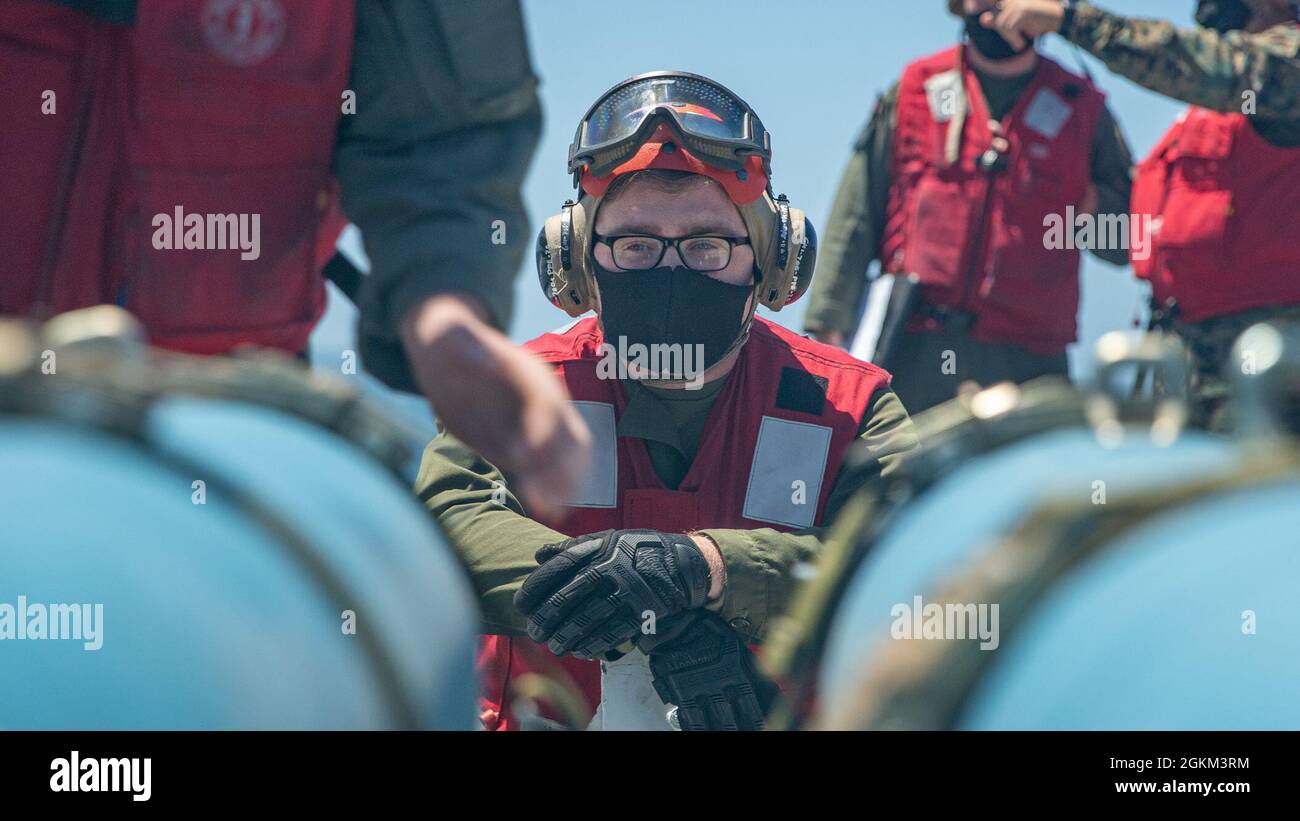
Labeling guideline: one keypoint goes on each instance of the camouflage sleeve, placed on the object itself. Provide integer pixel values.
(1199, 66)
(1112, 176)
(852, 237)
(761, 563)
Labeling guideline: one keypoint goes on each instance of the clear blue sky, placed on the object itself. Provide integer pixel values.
(812, 70)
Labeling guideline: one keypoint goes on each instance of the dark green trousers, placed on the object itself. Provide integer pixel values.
(929, 367)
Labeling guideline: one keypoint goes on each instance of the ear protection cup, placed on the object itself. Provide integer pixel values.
(783, 239)
(563, 254)
(804, 268)
(544, 276)
(785, 249)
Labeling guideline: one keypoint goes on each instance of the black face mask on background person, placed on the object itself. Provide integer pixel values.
(989, 43)
(1222, 15)
(672, 306)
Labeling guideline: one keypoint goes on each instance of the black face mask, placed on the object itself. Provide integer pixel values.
(1222, 15)
(989, 43)
(672, 306)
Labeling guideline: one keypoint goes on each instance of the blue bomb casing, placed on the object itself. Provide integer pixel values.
(242, 569)
(1187, 623)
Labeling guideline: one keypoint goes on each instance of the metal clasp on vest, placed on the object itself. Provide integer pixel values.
(994, 161)
(949, 319)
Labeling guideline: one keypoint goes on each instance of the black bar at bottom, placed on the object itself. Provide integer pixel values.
(444, 771)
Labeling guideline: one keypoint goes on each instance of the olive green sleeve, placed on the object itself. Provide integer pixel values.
(486, 526)
(1112, 176)
(495, 540)
(762, 563)
(851, 239)
(430, 167)
(1199, 66)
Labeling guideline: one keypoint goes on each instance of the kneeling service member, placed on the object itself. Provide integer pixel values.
(719, 437)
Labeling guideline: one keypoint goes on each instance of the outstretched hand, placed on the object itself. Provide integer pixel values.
(1019, 21)
(499, 400)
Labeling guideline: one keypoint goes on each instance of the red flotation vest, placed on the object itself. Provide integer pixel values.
(1224, 202)
(215, 107)
(979, 248)
(788, 413)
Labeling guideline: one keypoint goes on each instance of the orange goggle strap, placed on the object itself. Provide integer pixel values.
(742, 186)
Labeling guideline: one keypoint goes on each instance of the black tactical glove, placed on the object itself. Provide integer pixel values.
(703, 666)
(591, 594)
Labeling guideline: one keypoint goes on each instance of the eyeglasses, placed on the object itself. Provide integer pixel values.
(641, 252)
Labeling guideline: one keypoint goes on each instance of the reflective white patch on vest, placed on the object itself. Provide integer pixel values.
(1048, 113)
(867, 337)
(945, 93)
(599, 486)
(785, 480)
(628, 700)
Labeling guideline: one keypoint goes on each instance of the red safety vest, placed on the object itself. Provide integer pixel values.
(1224, 202)
(979, 248)
(216, 107)
(788, 413)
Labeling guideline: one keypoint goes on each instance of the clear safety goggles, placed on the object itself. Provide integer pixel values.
(712, 123)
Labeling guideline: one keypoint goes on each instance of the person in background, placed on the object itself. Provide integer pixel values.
(1222, 188)
(182, 160)
(952, 182)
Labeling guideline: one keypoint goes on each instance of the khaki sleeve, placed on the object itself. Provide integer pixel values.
(762, 563)
(852, 236)
(486, 525)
